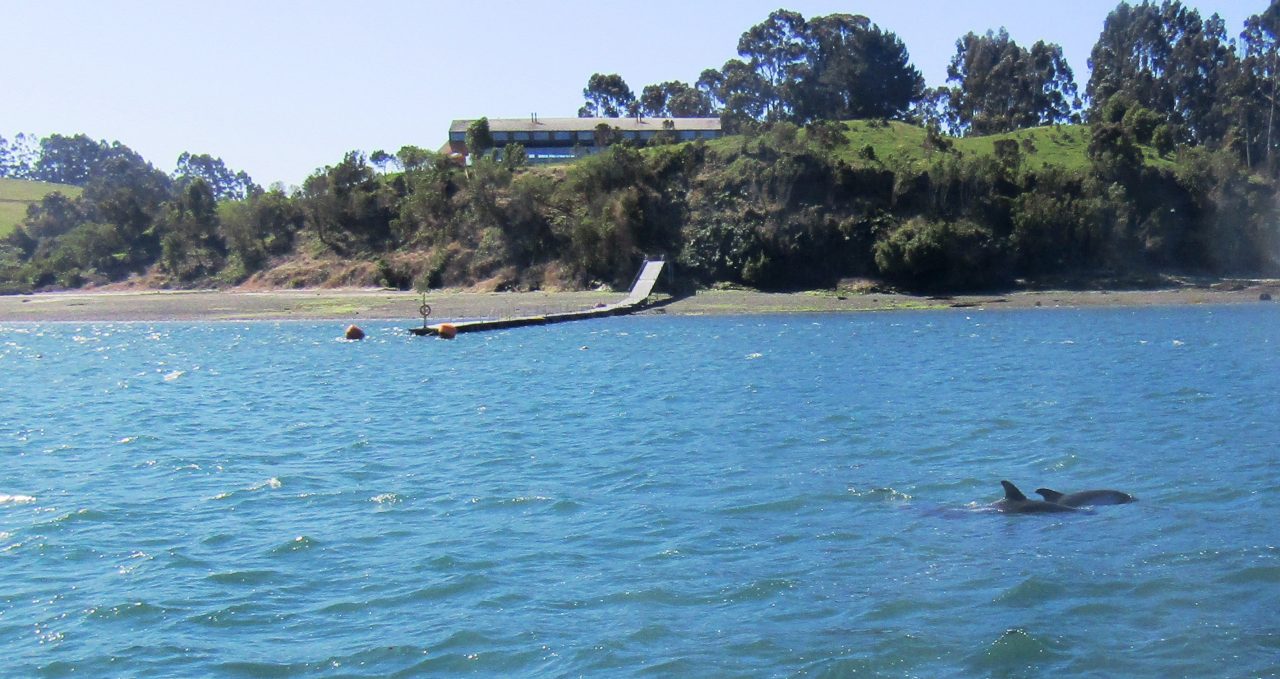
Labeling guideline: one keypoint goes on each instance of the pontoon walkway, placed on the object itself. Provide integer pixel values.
(635, 301)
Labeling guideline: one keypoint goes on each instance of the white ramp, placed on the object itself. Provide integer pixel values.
(645, 280)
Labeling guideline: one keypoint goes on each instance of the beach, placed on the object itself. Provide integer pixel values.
(382, 304)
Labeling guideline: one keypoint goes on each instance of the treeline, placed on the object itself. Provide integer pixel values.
(1162, 183)
(1197, 83)
(789, 207)
(129, 216)
(836, 67)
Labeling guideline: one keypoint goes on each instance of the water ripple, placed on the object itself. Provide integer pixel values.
(689, 497)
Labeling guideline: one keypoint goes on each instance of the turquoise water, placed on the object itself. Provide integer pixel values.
(646, 496)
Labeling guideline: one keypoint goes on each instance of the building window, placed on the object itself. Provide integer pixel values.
(586, 136)
(502, 136)
(687, 135)
(457, 136)
(522, 136)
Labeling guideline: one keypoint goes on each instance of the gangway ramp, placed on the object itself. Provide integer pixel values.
(645, 280)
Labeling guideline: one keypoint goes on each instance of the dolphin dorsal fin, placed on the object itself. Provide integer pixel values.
(1011, 492)
(1050, 495)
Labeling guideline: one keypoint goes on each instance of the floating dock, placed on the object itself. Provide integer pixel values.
(636, 300)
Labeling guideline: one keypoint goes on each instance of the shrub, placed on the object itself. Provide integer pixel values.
(932, 255)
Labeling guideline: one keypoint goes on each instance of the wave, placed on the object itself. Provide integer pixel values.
(301, 543)
(1013, 652)
(245, 577)
(128, 611)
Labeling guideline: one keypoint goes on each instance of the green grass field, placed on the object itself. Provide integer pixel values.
(17, 194)
(1064, 146)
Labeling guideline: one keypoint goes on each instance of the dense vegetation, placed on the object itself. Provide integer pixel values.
(1004, 174)
(17, 195)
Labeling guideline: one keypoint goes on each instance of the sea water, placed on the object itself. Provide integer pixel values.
(800, 495)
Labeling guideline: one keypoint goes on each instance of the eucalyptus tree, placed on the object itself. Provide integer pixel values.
(675, 99)
(775, 48)
(1259, 77)
(606, 96)
(18, 155)
(831, 67)
(1168, 59)
(1000, 86)
(69, 160)
(5, 158)
(224, 183)
(743, 93)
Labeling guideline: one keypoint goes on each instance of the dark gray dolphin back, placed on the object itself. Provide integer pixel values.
(1086, 498)
(1011, 492)
(1049, 495)
(1015, 502)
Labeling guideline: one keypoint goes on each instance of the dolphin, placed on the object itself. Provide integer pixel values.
(1015, 502)
(1085, 498)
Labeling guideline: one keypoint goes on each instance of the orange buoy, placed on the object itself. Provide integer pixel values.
(447, 331)
(354, 332)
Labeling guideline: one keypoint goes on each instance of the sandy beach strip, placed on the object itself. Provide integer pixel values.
(354, 305)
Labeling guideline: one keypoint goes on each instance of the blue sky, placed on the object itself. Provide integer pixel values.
(280, 88)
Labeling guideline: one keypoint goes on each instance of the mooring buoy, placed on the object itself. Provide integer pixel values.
(354, 332)
(447, 331)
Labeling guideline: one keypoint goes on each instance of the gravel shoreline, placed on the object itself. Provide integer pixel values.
(353, 305)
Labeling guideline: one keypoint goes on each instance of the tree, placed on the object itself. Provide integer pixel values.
(225, 184)
(1113, 148)
(128, 194)
(1167, 59)
(479, 139)
(514, 157)
(775, 49)
(690, 102)
(1001, 86)
(932, 109)
(603, 135)
(743, 93)
(69, 160)
(381, 159)
(1257, 86)
(412, 158)
(347, 206)
(259, 227)
(607, 96)
(828, 68)
(853, 69)
(5, 155)
(53, 216)
(675, 99)
(191, 246)
(17, 156)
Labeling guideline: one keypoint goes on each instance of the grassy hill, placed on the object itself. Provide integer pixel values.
(17, 194)
(1064, 146)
